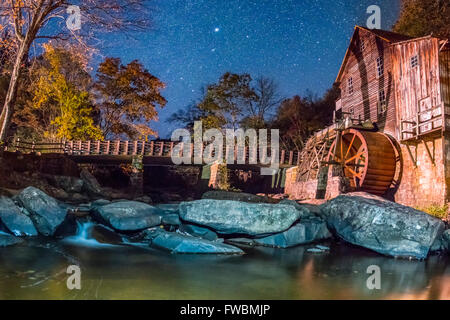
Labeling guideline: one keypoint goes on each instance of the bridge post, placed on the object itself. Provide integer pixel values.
(137, 176)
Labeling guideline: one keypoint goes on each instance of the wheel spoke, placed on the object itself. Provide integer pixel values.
(359, 175)
(354, 157)
(351, 145)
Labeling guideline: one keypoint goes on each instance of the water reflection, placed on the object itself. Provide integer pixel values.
(36, 270)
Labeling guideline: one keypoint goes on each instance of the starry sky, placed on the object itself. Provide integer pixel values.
(298, 43)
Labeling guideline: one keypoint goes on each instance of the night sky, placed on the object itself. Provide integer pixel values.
(299, 43)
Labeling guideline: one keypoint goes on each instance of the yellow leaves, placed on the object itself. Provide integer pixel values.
(72, 118)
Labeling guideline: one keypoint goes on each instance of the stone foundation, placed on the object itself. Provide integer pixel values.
(423, 185)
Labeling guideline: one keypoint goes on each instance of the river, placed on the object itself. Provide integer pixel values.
(37, 270)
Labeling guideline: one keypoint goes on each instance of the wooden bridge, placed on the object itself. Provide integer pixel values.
(153, 152)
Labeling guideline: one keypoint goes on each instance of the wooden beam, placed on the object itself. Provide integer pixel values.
(429, 152)
(414, 161)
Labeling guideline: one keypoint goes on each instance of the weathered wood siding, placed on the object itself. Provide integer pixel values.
(444, 70)
(362, 68)
(417, 89)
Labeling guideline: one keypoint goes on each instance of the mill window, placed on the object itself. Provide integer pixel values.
(350, 85)
(414, 61)
(380, 66)
(362, 45)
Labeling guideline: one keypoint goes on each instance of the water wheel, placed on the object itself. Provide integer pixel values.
(368, 160)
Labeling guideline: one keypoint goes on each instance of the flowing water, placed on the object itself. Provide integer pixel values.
(37, 270)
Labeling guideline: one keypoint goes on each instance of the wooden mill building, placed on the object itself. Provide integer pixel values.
(391, 136)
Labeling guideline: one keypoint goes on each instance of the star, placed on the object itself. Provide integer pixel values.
(216, 29)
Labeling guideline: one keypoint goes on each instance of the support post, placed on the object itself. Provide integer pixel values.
(137, 176)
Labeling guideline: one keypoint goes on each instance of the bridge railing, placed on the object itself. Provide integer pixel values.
(30, 147)
(154, 148)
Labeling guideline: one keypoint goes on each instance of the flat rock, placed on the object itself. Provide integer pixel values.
(127, 215)
(200, 232)
(383, 226)
(180, 243)
(14, 220)
(306, 231)
(235, 196)
(45, 212)
(9, 240)
(234, 217)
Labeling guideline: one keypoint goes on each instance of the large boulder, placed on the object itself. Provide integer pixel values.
(67, 183)
(14, 220)
(233, 217)
(445, 241)
(306, 211)
(383, 226)
(45, 212)
(127, 215)
(90, 183)
(306, 231)
(181, 243)
(8, 240)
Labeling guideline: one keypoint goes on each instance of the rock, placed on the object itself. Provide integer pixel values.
(383, 226)
(100, 202)
(104, 235)
(241, 241)
(90, 183)
(14, 220)
(127, 215)
(233, 217)
(305, 210)
(316, 250)
(306, 231)
(197, 231)
(235, 196)
(323, 248)
(169, 208)
(169, 213)
(171, 219)
(67, 228)
(57, 193)
(45, 212)
(8, 240)
(180, 243)
(445, 240)
(68, 184)
(145, 199)
(78, 198)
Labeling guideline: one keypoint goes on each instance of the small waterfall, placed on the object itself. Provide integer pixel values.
(82, 237)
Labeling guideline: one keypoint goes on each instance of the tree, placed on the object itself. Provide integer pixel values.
(268, 97)
(298, 118)
(424, 17)
(68, 110)
(127, 96)
(235, 100)
(27, 19)
(226, 102)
